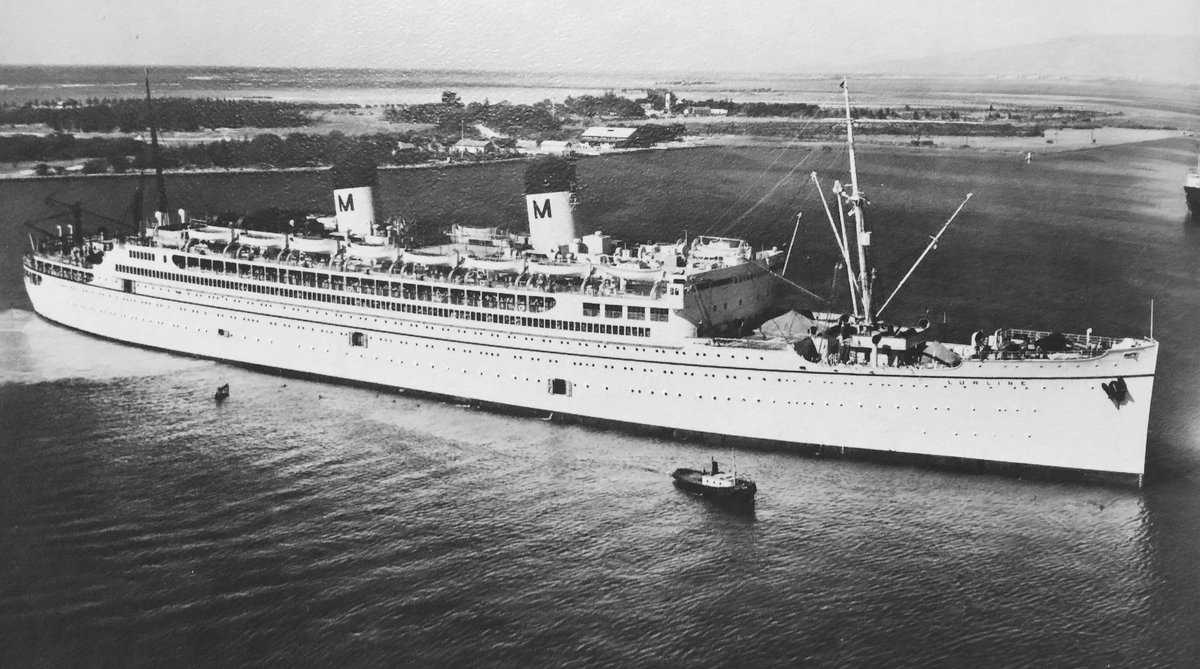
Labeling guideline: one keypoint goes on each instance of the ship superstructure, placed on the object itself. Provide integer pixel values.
(649, 334)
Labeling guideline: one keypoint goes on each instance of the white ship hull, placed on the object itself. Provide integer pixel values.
(1043, 413)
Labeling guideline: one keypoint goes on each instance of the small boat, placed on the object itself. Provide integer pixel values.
(581, 270)
(326, 245)
(222, 392)
(262, 240)
(715, 484)
(636, 271)
(211, 233)
(170, 236)
(427, 259)
(371, 251)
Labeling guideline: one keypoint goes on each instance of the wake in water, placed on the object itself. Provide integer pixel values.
(34, 350)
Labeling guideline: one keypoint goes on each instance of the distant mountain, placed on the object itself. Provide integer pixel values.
(1145, 57)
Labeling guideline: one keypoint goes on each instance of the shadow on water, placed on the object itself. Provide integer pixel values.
(743, 511)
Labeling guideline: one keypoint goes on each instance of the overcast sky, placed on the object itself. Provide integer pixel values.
(556, 35)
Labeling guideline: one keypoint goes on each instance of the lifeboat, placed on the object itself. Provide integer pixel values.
(325, 245)
(172, 237)
(461, 234)
(371, 251)
(262, 240)
(635, 271)
(431, 259)
(560, 268)
(211, 233)
(495, 264)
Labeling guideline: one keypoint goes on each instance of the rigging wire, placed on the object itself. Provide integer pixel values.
(750, 186)
(50, 199)
(778, 184)
(795, 139)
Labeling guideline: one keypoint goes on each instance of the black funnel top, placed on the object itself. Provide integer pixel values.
(550, 175)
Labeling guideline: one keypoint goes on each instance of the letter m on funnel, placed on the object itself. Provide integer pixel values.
(355, 210)
(543, 211)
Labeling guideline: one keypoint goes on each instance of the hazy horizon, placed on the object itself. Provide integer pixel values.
(538, 36)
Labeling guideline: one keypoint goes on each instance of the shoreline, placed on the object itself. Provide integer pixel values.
(1053, 141)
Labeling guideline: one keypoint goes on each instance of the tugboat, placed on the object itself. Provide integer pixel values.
(222, 392)
(715, 484)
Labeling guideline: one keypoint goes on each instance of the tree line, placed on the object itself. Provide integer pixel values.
(454, 119)
(174, 114)
(533, 121)
(293, 150)
(262, 151)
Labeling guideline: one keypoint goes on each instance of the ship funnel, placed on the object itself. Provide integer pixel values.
(549, 185)
(355, 210)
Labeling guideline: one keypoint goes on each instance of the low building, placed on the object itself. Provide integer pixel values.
(473, 147)
(557, 147)
(605, 137)
(527, 146)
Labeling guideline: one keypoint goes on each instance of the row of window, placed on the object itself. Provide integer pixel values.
(68, 273)
(409, 291)
(141, 255)
(440, 312)
(371, 286)
(717, 283)
(632, 313)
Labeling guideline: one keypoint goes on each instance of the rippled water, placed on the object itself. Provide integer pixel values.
(302, 523)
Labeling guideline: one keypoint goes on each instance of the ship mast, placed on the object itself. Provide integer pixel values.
(861, 235)
(158, 173)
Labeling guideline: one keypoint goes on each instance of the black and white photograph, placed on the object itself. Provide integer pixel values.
(546, 334)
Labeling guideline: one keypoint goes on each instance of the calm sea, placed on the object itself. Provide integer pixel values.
(19, 84)
(310, 524)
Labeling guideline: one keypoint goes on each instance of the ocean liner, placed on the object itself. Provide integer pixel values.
(570, 325)
(1191, 190)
